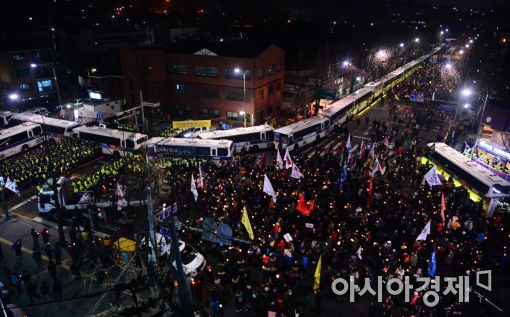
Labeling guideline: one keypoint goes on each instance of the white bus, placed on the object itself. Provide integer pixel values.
(55, 128)
(482, 184)
(113, 142)
(340, 110)
(247, 139)
(302, 133)
(191, 147)
(19, 139)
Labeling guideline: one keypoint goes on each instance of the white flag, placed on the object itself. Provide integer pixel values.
(121, 201)
(432, 178)
(288, 159)
(201, 177)
(268, 188)
(12, 186)
(296, 173)
(194, 187)
(358, 253)
(372, 150)
(377, 167)
(164, 247)
(348, 144)
(287, 237)
(424, 233)
(279, 161)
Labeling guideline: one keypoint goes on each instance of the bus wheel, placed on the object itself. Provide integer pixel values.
(116, 155)
(24, 148)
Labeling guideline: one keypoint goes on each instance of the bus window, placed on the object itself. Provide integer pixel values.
(213, 152)
(130, 144)
(222, 152)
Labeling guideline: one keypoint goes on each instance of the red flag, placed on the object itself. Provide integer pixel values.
(312, 205)
(443, 207)
(271, 204)
(370, 186)
(302, 207)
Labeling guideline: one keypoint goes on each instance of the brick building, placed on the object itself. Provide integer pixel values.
(205, 81)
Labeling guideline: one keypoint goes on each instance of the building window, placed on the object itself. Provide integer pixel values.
(207, 92)
(270, 90)
(20, 57)
(178, 69)
(270, 70)
(232, 115)
(261, 93)
(206, 71)
(209, 113)
(25, 86)
(230, 73)
(260, 73)
(181, 89)
(278, 86)
(22, 72)
(180, 111)
(278, 68)
(46, 85)
(236, 95)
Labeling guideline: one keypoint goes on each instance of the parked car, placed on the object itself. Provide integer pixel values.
(193, 262)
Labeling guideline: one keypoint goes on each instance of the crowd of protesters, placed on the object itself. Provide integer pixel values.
(358, 233)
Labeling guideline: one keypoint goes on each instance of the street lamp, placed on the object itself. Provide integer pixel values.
(466, 92)
(237, 70)
(448, 66)
(417, 40)
(244, 117)
(466, 105)
(54, 77)
(401, 45)
(461, 52)
(345, 63)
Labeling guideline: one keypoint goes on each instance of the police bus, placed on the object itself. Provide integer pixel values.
(247, 139)
(191, 147)
(19, 139)
(302, 133)
(481, 184)
(340, 111)
(114, 142)
(54, 128)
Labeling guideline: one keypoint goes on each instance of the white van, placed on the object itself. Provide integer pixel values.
(38, 110)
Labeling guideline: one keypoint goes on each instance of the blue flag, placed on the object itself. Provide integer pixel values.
(432, 263)
(342, 177)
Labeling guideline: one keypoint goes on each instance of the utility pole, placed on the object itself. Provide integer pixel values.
(143, 115)
(184, 291)
(150, 219)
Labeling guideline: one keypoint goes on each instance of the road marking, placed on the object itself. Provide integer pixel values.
(23, 249)
(360, 137)
(26, 201)
(47, 223)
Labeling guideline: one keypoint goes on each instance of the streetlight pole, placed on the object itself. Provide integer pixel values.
(54, 77)
(479, 132)
(244, 95)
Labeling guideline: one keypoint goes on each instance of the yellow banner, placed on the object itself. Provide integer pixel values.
(245, 220)
(191, 124)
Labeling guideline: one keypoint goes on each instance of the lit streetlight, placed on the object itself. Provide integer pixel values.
(401, 45)
(346, 63)
(448, 66)
(466, 92)
(417, 40)
(461, 52)
(244, 116)
(466, 105)
(467, 45)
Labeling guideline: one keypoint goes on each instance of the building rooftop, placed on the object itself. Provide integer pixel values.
(245, 49)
